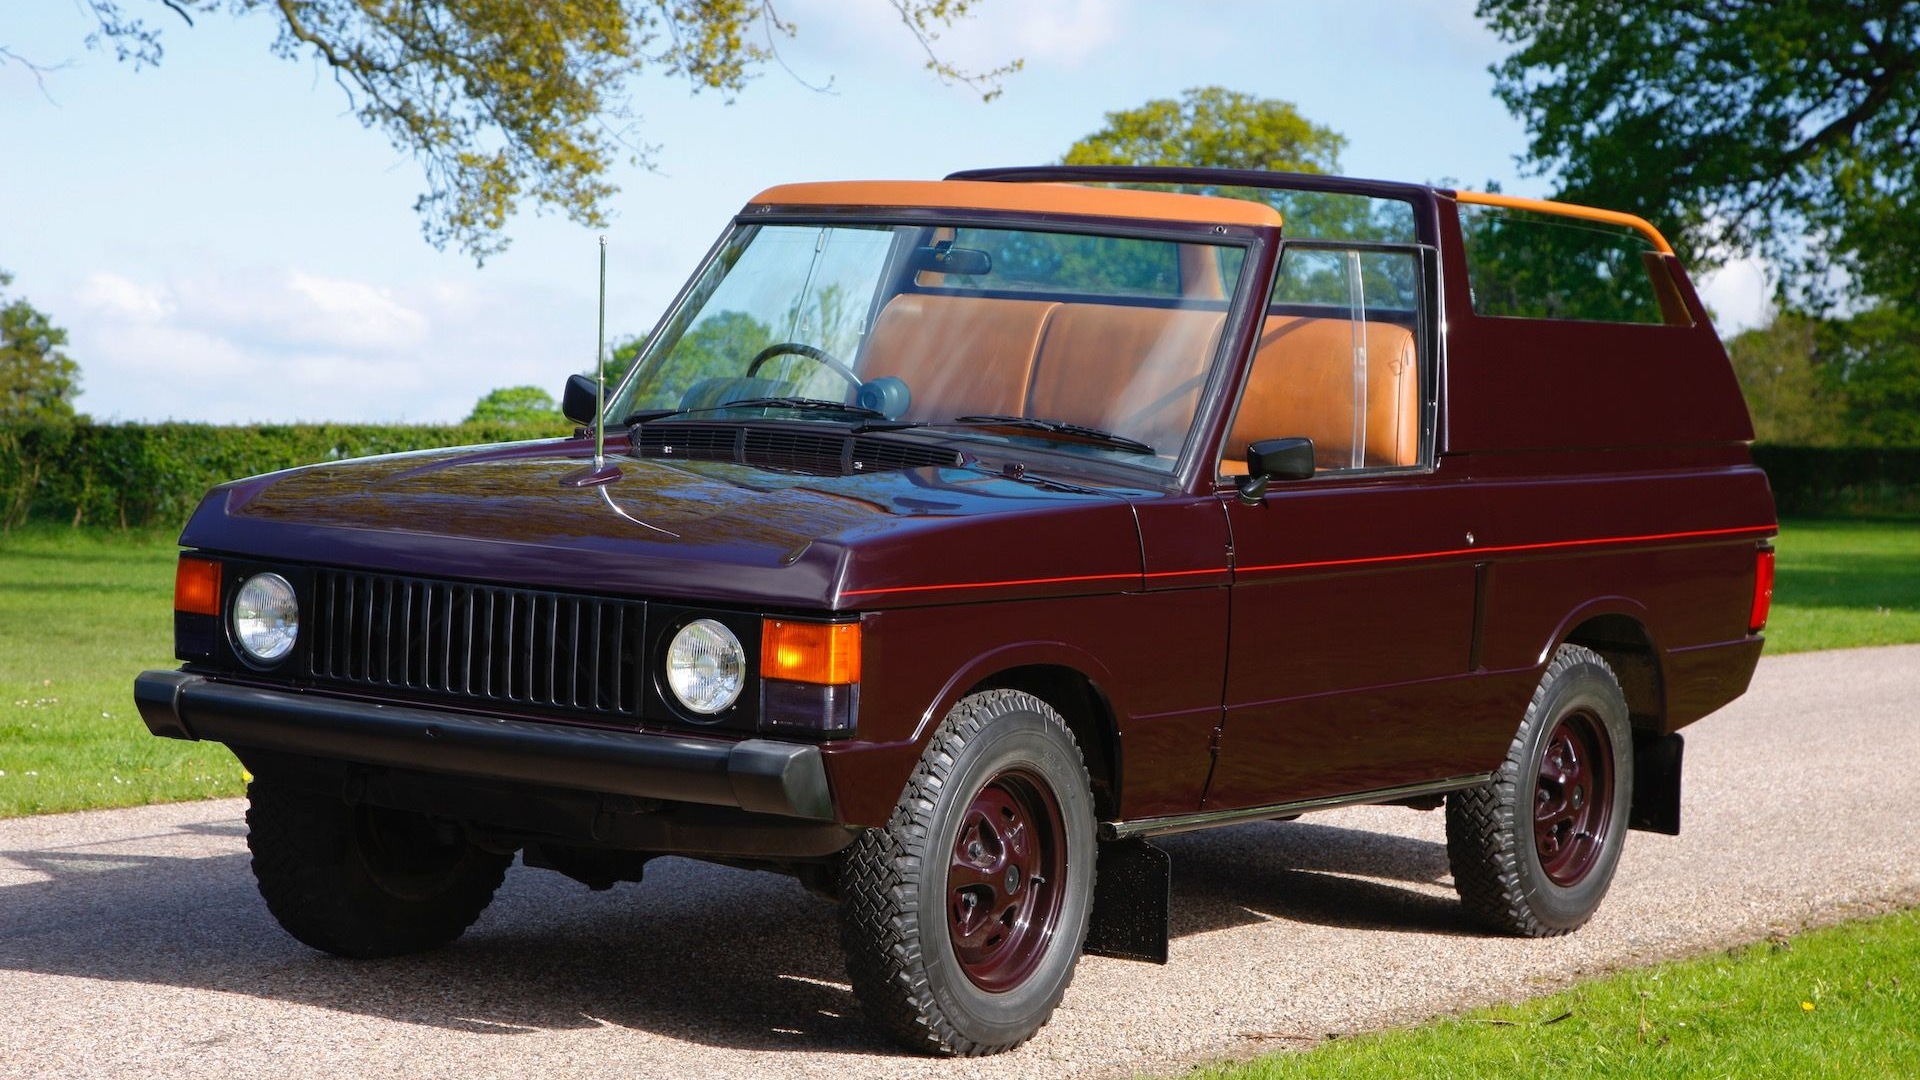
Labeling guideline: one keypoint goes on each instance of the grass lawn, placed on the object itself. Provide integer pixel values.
(1840, 584)
(81, 613)
(1842, 1002)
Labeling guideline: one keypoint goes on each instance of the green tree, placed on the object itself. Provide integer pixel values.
(1792, 399)
(1784, 128)
(718, 346)
(515, 405)
(1833, 382)
(621, 356)
(501, 100)
(1875, 358)
(38, 380)
(1213, 127)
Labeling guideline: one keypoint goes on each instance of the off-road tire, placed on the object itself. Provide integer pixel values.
(1493, 844)
(897, 921)
(363, 882)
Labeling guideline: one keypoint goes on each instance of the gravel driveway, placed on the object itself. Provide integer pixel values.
(132, 942)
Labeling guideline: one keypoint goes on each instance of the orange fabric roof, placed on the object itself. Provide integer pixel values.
(1031, 198)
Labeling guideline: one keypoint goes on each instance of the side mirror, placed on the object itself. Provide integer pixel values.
(580, 401)
(1274, 459)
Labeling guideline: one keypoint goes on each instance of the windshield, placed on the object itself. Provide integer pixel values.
(1074, 342)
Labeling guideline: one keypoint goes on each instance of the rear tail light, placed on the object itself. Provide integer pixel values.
(1762, 590)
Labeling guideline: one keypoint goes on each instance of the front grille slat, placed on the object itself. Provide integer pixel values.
(477, 643)
(593, 680)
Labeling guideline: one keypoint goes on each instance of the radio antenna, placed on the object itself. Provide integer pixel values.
(601, 472)
(600, 371)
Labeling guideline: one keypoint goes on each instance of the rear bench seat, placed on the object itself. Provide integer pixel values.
(959, 355)
(964, 355)
(1132, 370)
(1302, 384)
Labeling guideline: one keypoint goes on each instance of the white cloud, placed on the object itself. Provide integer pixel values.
(352, 313)
(113, 294)
(285, 345)
(1739, 295)
(1066, 33)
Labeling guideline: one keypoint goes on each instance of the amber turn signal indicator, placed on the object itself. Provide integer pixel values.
(196, 586)
(824, 653)
(1762, 590)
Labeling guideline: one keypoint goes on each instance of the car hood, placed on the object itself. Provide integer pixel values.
(697, 530)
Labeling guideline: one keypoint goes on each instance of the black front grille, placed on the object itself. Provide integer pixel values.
(478, 643)
(830, 452)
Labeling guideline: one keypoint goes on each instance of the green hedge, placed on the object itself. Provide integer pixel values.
(1850, 480)
(153, 475)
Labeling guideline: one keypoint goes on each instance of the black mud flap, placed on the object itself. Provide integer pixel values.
(1130, 902)
(1656, 783)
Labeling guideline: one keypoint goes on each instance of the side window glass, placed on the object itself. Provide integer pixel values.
(1338, 361)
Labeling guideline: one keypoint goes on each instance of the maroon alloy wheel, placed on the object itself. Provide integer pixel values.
(1573, 800)
(1006, 880)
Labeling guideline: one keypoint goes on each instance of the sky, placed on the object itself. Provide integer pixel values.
(225, 243)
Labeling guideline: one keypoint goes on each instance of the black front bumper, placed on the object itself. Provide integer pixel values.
(756, 775)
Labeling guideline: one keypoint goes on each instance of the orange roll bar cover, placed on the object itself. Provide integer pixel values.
(1573, 210)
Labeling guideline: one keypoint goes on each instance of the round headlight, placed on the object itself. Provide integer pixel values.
(266, 617)
(706, 667)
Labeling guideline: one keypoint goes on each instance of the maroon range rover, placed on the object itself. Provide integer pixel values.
(957, 538)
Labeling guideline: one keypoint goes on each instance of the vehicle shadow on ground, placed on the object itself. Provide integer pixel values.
(699, 953)
(1312, 873)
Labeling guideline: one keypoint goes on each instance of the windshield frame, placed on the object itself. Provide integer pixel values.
(1257, 243)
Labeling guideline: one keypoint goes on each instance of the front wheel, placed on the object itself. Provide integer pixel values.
(1534, 849)
(363, 881)
(963, 918)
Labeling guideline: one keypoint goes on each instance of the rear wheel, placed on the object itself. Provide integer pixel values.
(364, 881)
(1534, 849)
(963, 918)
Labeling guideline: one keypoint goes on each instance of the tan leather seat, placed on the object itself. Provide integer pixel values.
(1302, 384)
(958, 355)
(1136, 371)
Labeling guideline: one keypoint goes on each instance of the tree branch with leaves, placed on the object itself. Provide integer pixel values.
(1788, 129)
(510, 102)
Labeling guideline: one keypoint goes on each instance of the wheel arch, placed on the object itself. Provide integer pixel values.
(1623, 640)
(1616, 628)
(1088, 713)
(1071, 680)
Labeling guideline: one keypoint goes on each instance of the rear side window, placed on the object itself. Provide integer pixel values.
(1528, 265)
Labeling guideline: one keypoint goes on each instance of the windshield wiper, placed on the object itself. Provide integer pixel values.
(1068, 432)
(805, 404)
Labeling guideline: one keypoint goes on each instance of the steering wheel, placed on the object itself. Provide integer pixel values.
(795, 348)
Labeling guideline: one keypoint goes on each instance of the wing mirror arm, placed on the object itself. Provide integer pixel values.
(1274, 459)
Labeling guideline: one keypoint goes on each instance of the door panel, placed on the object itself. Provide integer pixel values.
(1352, 619)
(1348, 653)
